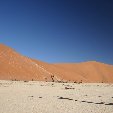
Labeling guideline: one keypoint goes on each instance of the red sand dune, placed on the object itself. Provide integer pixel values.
(15, 66)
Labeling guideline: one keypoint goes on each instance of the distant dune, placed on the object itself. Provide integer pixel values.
(14, 66)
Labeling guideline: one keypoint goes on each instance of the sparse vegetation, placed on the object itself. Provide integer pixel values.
(52, 77)
(75, 81)
(26, 81)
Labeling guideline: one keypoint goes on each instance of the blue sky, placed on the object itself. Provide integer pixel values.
(59, 30)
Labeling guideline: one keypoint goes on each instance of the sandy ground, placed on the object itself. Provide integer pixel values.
(48, 97)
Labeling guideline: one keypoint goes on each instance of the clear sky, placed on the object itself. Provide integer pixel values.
(59, 30)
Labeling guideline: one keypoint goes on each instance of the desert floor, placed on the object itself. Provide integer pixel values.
(48, 97)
